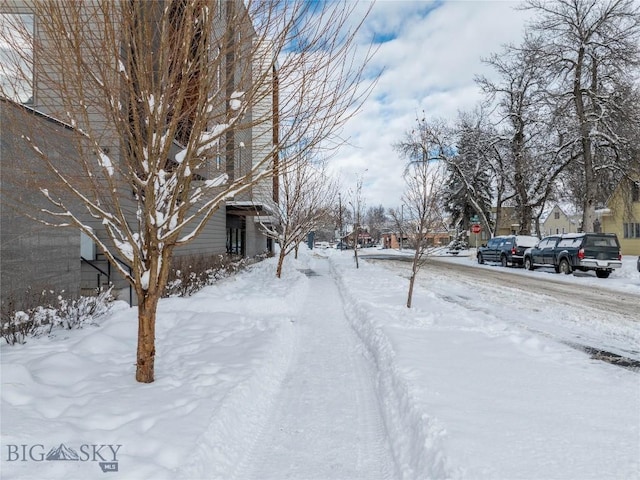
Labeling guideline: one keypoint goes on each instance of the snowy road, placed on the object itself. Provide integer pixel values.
(326, 421)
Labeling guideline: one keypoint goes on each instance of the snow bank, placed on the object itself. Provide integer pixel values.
(416, 438)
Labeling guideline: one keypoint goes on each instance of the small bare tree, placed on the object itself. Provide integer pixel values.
(305, 196)
(357, 205)
(157, 98)
(424, 177)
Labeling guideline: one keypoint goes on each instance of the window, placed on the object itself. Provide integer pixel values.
(601, 242)
(218, 68)
(16, 57)
(570, 242)
(631, 230)
(556, 215)
(635, 192)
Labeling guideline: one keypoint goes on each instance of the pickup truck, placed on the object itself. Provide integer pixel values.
(599, 252)
(506, 249)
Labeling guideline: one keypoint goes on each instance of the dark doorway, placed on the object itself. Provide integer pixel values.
(236, 235)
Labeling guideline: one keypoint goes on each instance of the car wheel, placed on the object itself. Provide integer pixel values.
(528, 264)
(602, 273)
(564, 267)
(503, 260)
(480, 259)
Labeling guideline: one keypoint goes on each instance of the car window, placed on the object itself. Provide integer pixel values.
(525, 241)
(543, 244)
(569, 242)
(601, 242)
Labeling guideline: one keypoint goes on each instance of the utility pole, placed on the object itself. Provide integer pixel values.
(340, 219)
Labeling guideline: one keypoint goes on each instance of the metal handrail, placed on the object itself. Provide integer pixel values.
(108, 273)
(90, 262)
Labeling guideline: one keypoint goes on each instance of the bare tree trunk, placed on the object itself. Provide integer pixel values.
(146, 351)
(280, 262)
(494, 231)
(355, 254)
(588, 205)
(296, 249)
(414, 272)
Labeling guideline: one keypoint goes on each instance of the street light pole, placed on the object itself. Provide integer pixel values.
(401, 223)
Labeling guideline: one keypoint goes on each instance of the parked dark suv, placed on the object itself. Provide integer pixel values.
(506, 249)
(577, 251)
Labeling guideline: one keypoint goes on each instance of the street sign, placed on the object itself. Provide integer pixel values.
(476, 228)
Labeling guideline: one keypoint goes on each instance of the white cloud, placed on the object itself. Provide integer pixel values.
(432, 54)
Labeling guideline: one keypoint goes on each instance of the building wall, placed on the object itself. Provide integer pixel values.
(212, 240)
(32, 255)
(508, 222)
(622, 209)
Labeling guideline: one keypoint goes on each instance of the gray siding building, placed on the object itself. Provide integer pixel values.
(36, 256)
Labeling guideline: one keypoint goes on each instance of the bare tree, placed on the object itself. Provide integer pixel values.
(399, 223)
(532, 152)
(306, 194)
(158, 98)
(423, 199)
(357, 206)
(591, 48)
(435, 139)
(375, 220)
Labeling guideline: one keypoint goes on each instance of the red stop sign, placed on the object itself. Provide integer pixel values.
(476, 228)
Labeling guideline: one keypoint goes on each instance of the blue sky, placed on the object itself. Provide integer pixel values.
(430, 52)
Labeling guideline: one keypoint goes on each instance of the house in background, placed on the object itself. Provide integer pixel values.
(34, 256)
(508, 224)
(558, 221)
(622, 216)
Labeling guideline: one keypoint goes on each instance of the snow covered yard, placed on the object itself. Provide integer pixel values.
(221, 356)
(463, 392)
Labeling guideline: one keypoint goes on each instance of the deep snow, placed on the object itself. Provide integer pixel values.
(461, 392)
